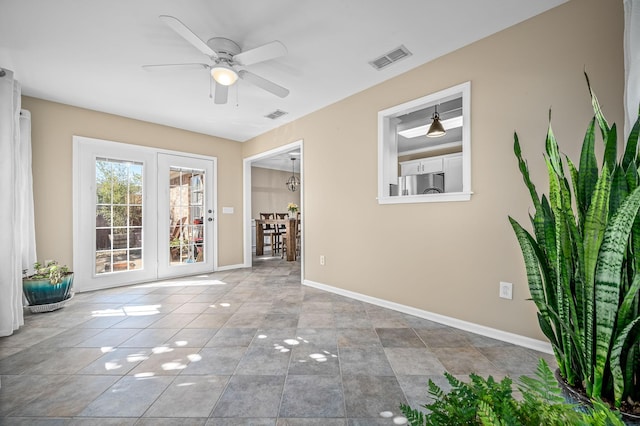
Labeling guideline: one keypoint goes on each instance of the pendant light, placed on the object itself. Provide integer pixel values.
(293, 182)
(436, 130)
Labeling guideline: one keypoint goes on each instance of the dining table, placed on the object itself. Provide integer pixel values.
(291, 232)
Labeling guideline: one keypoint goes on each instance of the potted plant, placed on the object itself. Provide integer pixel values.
(293, 209)
(583, 263)
(49, 287)
(174, 248)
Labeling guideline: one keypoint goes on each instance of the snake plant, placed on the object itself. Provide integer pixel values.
(582, 260)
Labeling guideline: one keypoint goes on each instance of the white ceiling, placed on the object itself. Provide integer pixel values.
(89, 53)
(282, 161)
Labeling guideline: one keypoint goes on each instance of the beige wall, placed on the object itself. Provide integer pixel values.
(269, 193)
(54, 125)
(448, 258)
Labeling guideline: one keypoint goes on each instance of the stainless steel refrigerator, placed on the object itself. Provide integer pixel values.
(430, 183)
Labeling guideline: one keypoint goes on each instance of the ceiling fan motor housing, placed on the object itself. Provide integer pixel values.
(225, 48)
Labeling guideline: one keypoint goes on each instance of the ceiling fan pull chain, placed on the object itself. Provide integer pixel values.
(210, 88)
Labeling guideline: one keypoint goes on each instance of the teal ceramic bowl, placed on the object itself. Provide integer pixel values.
(42, 292)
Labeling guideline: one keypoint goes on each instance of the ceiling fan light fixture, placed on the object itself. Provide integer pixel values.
(224, 74)
(436, 129)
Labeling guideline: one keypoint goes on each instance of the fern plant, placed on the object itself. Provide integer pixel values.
(582, 261)
(487, 402)
(461, 406)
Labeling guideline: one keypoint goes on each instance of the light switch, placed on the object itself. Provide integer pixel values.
(227, 210)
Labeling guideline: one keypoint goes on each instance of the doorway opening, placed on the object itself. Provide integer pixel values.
(266, 191)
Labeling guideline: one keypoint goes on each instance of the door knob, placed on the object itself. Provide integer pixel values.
(210, 219)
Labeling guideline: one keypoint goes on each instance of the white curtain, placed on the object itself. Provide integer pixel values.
(17, 230)
(631, 63)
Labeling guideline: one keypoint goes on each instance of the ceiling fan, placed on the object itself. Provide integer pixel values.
(227, 59)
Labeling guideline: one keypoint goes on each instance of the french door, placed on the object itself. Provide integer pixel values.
(185, 219)
(140, 214)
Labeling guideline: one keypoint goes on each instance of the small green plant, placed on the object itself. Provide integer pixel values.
(176, 241)
(52, 271)
(489, 402)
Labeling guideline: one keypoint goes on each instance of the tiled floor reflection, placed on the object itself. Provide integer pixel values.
(242, 347)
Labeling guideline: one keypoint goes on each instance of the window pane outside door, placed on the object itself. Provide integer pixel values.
(118, 213)
(186, 215)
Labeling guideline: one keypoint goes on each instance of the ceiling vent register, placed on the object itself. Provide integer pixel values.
(276, 114)
(391, 57)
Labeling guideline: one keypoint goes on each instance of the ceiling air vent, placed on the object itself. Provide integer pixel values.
(276, 114)
(390, 57)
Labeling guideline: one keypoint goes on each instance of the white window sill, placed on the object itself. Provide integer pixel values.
(426, 198)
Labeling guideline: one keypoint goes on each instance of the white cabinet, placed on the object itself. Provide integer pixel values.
(410, 168)
(422, 166)
(450, 164)
(453, 173)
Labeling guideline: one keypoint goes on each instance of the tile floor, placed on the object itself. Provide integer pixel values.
(242, 347)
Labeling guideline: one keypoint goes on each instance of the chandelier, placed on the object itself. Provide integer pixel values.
(293, 182)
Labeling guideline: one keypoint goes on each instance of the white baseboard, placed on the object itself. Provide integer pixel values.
(229, 267)
(482, 330)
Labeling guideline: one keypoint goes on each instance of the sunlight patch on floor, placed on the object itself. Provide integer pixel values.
(222, 305)
(137, 357)
(173, 365)
(130, 311)
(194, 357)
(397, 420)
(181, 283)
(161, 349)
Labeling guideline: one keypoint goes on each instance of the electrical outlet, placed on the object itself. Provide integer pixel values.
(322, 259)
(506, 290)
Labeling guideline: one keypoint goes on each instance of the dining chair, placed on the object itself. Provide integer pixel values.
(281, 231)
(270, 231)
(283, 239)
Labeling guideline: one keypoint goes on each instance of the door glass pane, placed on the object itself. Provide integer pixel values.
(186, 215)
(118, 216)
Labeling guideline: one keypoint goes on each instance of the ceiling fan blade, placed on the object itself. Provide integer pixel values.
(169, 67)
(187, 34)
(265, 84)
(265, 52)
(221, 94)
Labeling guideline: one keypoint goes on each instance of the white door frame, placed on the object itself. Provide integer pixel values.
(247, 197)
